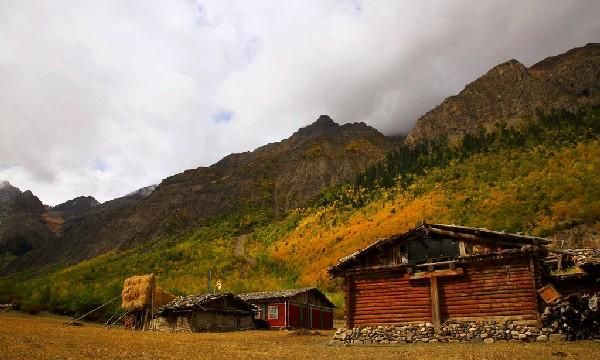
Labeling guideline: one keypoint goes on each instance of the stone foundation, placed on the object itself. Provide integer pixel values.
(487, 332)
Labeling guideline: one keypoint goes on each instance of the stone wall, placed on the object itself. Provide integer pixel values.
(203, 321)
(481, 331)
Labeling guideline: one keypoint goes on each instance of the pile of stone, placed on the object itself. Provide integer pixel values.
(576, 316)
(483, 331)
(584, 256)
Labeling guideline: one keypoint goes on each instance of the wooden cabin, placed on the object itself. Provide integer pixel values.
(205, 312)
(436, 273)
(306, 308)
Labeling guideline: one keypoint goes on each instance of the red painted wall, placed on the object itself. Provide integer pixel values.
(294, 319)
(315, 319)
(327, 319)
(300, 316)
(280, 321)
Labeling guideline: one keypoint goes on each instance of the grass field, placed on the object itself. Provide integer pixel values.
(44, 337)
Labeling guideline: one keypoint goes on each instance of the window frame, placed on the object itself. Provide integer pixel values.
(272, 310)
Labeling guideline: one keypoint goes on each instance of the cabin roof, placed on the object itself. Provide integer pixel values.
(206, 302)
(284, 294)
(448, 230)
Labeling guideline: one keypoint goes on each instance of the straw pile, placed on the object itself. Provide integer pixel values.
(162, 297)
(138, 293)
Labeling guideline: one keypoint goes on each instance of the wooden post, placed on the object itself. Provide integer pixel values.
(435, 304)
(349, 308)
(436, 317)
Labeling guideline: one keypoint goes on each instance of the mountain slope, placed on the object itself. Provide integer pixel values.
(22, 227)
(544, 186)
(265, 183)
(249, 220)
(511, 92)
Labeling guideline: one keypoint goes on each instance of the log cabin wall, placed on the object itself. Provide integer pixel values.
(500, 290)
(387, 299)
(495, 289)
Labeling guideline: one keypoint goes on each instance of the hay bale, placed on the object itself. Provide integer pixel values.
(137, 293)
(162, 297)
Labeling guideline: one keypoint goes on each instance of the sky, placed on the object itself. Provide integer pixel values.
(104, 97)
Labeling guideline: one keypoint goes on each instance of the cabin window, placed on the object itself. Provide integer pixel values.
(273, 312)
(431, 249)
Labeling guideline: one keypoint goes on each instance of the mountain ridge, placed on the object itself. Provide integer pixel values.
(510, 91)
(276, 178)
(271, 179)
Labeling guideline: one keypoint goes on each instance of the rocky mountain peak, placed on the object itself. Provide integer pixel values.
(322, 126)
(7, 191)
(76, 206)
(324, 120)
(511, 92)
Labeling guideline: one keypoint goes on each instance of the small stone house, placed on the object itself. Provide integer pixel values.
(205, 312)
(306, 308)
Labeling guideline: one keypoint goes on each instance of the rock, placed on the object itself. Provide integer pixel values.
(477, 339)
(541, 338)
(557, 337)
(433, 341)
(488, 340)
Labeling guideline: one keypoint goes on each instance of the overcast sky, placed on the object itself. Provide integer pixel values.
(103, 97)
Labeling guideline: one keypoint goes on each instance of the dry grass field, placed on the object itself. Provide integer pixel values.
(44, 337)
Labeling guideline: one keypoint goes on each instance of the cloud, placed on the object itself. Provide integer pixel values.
(103, 98)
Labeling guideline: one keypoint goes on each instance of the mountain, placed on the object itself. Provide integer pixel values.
(22, 227)
(270, 219)
(510, 92)
(76, 206)
(270, 180)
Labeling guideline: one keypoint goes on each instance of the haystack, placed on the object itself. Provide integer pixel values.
(140, 292)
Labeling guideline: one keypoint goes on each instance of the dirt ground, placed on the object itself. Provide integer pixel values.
(43, 337)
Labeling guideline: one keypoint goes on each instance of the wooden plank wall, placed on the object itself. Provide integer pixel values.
(502, 290)
(489, 290)
(389, 299)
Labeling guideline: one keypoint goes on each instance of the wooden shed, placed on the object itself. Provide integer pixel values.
(435, 273)
(205, 312)
(306, 308)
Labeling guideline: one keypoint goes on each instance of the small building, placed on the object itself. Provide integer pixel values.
(306, 308)
(436, 273)
(205, 312)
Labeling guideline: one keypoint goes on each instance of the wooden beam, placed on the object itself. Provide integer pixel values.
(462, 248)
(437, 273)
(435, 304)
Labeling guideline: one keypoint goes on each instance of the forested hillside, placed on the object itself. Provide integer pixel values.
(539, 177)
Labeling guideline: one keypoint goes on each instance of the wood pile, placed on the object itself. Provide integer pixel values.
(576, 316)
(583, 256)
